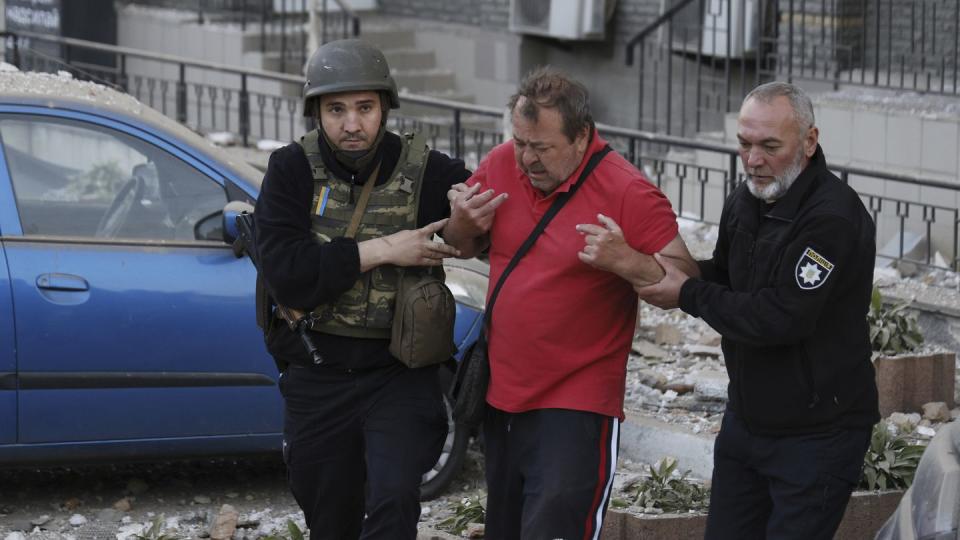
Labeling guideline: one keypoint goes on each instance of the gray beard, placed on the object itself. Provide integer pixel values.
(778, 188)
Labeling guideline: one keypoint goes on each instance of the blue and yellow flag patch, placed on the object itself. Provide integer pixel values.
(322, 198)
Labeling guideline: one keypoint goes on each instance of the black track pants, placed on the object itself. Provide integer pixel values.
(343, 430)
(549, 473)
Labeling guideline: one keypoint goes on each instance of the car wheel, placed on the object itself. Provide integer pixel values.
(436, 480)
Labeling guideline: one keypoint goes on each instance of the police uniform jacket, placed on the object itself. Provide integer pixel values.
(788, 289)
(302, 273)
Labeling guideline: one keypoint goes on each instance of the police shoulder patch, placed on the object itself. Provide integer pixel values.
(812, 269)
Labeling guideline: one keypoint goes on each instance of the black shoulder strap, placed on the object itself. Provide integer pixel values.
(558, 203)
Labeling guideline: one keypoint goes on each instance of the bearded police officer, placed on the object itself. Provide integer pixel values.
(360, 428)
(788, 288)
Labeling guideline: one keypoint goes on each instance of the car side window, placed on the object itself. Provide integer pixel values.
(72, 178)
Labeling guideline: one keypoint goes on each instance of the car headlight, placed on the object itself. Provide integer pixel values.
(467, 280)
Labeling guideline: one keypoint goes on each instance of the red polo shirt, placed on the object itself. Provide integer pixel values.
(561, 329)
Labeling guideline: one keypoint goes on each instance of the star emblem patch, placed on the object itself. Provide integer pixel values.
(812, 269)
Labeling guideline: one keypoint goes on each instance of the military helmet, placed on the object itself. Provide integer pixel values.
(347, 65)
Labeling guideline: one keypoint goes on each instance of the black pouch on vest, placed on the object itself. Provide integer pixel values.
(423, 321)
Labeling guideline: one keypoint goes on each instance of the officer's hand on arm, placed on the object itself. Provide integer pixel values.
(666, 293)
(406, 248)
(471, 216)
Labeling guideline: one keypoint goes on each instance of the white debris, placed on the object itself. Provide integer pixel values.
(131, 531)
(269, 145)
(77, 520)
(48, 84)
(222, 138)
(8, 68)
(926, 431)
(885, 276)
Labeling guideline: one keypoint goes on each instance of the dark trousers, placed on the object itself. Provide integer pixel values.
(549, 473)
(344, 429)
(782, 487)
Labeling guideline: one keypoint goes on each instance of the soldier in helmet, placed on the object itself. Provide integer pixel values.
(360, 428)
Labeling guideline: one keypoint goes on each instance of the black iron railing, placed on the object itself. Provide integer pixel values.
(696, 175)
(698, 60)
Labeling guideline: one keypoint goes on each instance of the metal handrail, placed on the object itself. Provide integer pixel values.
(666, 17)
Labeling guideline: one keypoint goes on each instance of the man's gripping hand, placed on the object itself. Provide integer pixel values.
(472, 211)
(605, 248)
(666, 293)
(471, 217)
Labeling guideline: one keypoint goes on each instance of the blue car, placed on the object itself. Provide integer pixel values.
(127, 326)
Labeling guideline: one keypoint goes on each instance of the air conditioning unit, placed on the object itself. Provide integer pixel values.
(708, 25)
(561, 19)
(739, 27)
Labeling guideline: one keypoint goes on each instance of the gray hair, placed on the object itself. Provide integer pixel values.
(551, 88)
(799, 101)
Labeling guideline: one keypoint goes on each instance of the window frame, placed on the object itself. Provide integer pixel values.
(11, 228)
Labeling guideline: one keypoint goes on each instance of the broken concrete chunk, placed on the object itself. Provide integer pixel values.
(225, 524)
(703, 350)
(936, 411)
(710, 385)
(904, 422)
(648, 350)
(667, 334)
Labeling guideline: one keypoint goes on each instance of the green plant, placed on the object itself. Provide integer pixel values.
(468, 510)
(155, 532)
(292, 529)
(890, 461)
(892, 329)
(667, 492)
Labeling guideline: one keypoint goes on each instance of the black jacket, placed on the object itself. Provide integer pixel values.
(302, 273)
(788, 288)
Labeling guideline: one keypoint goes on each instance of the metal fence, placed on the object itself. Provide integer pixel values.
(696, 175)
(698, 60)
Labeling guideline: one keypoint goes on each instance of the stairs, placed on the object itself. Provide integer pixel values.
(415, 70)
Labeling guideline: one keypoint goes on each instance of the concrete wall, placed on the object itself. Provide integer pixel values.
(489, 14)
(474, 40)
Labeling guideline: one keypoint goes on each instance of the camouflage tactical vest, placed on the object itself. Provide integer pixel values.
(366, 310)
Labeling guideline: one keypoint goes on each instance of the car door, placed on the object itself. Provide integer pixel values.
(133, 320)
